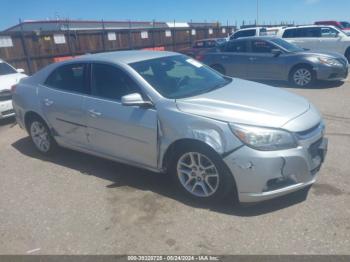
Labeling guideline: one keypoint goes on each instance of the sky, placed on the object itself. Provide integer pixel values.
(224, 11)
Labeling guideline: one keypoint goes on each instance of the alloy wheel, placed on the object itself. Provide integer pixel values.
(302, 77)
(198, 174)
(40, 136)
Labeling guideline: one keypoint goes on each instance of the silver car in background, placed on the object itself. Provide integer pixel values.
(272, 58)
(166, 112)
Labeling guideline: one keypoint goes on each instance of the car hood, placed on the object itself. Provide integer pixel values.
(248, 103)
(6, 81)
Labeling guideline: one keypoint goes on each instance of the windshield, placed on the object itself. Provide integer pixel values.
(5, 69)
(286, 45)
(179, 76)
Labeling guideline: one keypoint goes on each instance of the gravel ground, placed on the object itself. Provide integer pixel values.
(79, 204)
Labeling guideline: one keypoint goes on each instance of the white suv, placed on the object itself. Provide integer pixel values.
(318, 38)
(256, 31)
(9, 76)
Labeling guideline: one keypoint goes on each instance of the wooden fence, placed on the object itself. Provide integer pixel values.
(34, 50)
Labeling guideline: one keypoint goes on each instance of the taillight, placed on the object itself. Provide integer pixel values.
(13, 88)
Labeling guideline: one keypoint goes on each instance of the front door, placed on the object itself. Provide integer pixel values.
(122, 132)
(262, 63)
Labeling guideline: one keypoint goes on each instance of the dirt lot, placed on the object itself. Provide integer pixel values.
(79, 204)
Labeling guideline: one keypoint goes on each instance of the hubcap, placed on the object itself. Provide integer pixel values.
(40, 136)
(198, 174)
(302, 77)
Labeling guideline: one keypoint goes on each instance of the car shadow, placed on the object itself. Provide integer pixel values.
(121, 175)
(316, 85)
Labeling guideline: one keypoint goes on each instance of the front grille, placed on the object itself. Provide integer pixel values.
(5, 95)
(8, 112)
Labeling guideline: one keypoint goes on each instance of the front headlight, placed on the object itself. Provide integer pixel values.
(264, 139)
(329, 61)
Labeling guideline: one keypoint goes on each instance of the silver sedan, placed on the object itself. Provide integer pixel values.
(217, 136)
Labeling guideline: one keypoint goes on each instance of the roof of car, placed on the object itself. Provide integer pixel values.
(255, 38)
(306, 26)
(126, 57)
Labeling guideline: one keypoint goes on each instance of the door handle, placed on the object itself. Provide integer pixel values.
(252, 58)
(94, 113)
(48, 102)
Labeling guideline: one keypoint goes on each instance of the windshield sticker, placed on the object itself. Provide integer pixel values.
(194, 62)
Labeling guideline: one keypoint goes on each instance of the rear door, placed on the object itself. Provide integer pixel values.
(122, 132)
(235, 58)
(62, 99)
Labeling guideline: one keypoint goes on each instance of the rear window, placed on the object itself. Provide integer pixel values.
(6, 69)
(199, 44)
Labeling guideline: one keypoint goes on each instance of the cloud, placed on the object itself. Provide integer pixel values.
(312, 2)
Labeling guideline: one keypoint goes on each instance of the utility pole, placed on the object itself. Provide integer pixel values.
(257, 12)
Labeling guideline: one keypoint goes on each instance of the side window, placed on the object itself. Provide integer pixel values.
(244, 33)
(210, 43)
(309, 32)
(236, 47)
(260, 46)
(71, 77)
(289, 33)
(111, 83)
(328, 32)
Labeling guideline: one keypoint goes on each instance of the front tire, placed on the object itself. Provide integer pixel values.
(302, 76)
(41, 136)
(201, 174)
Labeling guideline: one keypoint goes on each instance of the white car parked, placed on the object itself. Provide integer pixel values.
(255, 31)
(9, 76)
(318, 38)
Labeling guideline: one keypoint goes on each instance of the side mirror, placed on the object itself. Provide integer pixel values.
(20, 70)
(135, 99)
(276, 52)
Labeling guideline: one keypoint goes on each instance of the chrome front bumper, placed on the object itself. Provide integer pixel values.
(263, 175)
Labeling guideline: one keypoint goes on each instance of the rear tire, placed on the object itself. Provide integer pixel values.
(302, 76)
(41, 136)
(219, 69)
(200, 174)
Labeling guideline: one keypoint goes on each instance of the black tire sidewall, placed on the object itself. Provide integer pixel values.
(226, 180)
